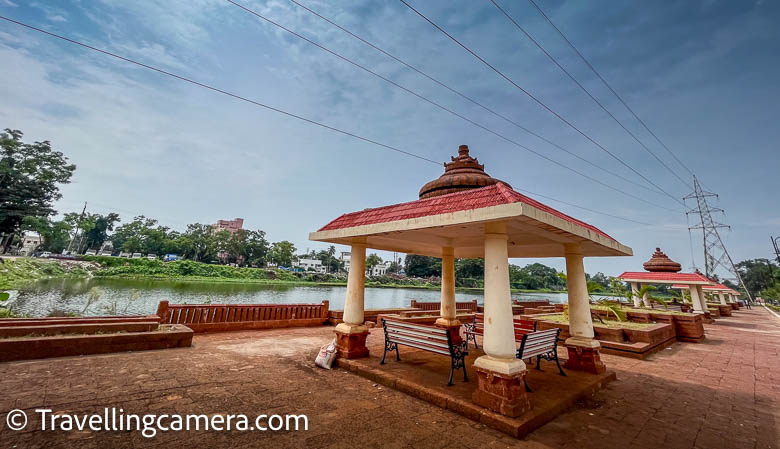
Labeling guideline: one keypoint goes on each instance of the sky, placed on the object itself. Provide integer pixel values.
(701, 74)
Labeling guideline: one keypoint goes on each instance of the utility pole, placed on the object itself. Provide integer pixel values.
(777, 249)
(715, 253)
(78, 225)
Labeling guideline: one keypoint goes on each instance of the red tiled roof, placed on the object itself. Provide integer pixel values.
(716, 287)
(494, 195)
(673, 277)
(705, 287)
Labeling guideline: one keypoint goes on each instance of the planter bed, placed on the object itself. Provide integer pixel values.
(724, 309)
(26, 348)
(734, 306)
(51, 321)
(426, 319)
(688, 327)
(633, 340)
(714, 311)
(84, 329)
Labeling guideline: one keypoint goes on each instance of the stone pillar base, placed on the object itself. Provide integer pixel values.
(351, 345)
(583, 358)
(453, 325)
(501, 393)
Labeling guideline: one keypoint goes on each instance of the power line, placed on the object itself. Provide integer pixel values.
(593, 69)
(601, 105)
(206, 86)
(583, 208)
(446, 109)
(541, 103)
(140, 64)
(470, 99)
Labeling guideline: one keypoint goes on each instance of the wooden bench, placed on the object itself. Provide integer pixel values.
(522, 327)
(427, 338)
(542, 345)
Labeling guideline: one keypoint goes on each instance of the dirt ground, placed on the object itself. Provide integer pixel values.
(723, 393)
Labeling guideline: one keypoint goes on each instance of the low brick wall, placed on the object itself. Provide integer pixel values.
(78, 328)
(634, 343)
(470, 305)
(53, 321)
(27, 348)
(337, 316)
(232, 317)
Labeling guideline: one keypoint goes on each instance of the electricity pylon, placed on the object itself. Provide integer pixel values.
(715, 253)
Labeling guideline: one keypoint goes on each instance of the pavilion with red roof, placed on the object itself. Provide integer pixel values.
(467, 214)
(721, 290)
(662, 270)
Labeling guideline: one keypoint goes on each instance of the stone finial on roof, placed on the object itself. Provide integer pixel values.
(660, 262)
(463, 173)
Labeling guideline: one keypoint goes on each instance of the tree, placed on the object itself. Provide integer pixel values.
(199, 242)
(96, 236)
(329, 259)
(55, 234)
(758, 274)
(282, 253)
(422, 266)
(372, 260)
(469, 268)
(29, 179)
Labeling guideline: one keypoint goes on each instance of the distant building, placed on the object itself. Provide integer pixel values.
(30, 241)
(345, 256)
(379, 270)
(232, 226)
(307, 264)
(229, 225)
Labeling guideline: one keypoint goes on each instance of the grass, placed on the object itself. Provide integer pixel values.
(559, 318)
(641, 309)
(16, 272)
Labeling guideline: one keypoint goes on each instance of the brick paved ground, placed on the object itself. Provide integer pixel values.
(724, 393)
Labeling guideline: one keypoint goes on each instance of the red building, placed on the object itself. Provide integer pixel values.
(229, 225)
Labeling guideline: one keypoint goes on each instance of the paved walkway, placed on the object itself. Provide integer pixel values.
(724, 393)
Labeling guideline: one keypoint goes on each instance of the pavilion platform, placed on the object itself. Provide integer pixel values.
(424, 375)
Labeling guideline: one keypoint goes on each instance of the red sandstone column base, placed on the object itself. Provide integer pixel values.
(584, 359)
(501, 393)
(351, 346)
(453, 328)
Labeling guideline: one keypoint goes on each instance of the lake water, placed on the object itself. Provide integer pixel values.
(133, 296)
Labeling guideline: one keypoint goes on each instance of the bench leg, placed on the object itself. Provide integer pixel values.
(558, 363)
(527, 388)
(452, 369)
(538, 362)
(463, 365)
(389, 346)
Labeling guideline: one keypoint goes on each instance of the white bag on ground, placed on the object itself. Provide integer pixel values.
(326, 355)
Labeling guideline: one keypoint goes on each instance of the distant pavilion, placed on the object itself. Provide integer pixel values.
(465, 213)
(662, 270)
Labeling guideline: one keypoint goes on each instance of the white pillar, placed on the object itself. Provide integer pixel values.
(499, 334)
(722, 298)
(356, 281)
(580, 321)
(696, 300)
(448, 311)
(645, 299)
(635, 294)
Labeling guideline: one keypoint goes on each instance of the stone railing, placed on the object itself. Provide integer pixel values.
(229, 317)
(471, 305)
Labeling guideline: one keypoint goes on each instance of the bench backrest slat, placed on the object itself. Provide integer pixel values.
(392, 331)
(419, 336)
(537, 343)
